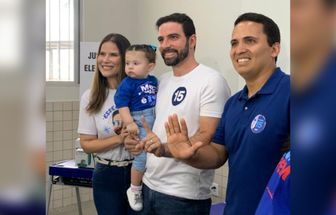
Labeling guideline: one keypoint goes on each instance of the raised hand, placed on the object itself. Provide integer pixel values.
(178, 142)
(152, 142)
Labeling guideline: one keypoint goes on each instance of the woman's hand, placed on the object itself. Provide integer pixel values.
(132, 144)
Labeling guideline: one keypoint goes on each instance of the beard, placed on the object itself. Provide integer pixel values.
(180, 56)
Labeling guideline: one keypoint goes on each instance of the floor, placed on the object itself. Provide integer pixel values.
(88, 208)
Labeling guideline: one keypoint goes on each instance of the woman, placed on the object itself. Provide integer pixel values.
(111, 176)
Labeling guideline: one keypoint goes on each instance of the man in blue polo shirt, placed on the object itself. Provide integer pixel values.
(254, 128)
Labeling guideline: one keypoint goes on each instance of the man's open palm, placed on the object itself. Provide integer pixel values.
(178, 141)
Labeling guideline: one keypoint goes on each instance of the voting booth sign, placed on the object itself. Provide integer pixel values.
(88, 55)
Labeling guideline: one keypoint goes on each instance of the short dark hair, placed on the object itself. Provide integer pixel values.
(270, 28)
(181, 18)
(149, 51)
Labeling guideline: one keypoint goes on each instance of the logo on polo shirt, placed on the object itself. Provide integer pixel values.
(258, 124)
(179, 95)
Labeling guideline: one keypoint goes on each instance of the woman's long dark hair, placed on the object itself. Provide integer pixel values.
(99, 87)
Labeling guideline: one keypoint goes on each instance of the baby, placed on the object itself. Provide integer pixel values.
(136, 97)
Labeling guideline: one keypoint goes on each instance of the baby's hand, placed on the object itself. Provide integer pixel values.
(132, 128)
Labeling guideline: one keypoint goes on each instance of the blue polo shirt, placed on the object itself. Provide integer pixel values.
(253, 131)
(313, 139)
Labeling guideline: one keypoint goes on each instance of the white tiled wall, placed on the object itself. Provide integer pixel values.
(221, 175)
(61, 128)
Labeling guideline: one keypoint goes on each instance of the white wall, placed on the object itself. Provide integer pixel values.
(214, 23)
(102, 17)
(213, 20)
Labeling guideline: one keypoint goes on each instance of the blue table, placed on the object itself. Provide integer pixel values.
(68, 173)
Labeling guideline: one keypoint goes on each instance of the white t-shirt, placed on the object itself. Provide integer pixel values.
(201, 92)
(100, 124)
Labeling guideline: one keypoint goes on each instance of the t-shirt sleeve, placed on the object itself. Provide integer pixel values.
(123, 95)
(214, 95)
(219, 136)
(86, 122)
